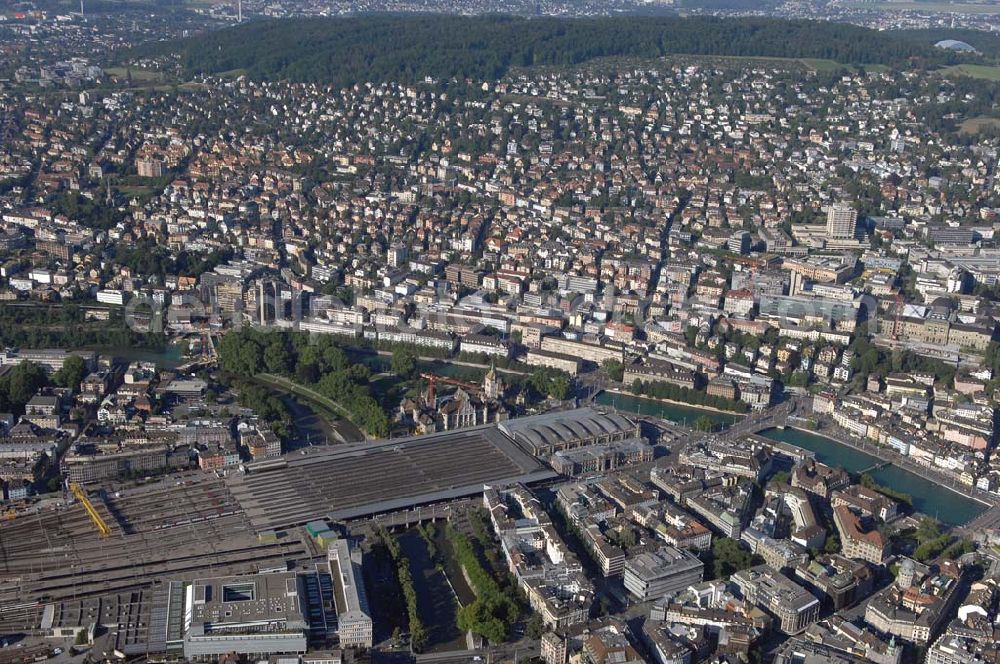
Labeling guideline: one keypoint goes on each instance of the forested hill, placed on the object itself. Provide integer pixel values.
(987, 43)
(344, 51)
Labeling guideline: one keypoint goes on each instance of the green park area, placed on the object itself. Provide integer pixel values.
(985, 72)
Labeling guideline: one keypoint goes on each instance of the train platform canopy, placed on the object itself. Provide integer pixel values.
(347, 482)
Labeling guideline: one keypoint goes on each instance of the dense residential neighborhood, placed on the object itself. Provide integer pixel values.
(602, 358)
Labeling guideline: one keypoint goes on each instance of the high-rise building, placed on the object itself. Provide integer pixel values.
(397, 254)
(841, 221)
(149, 168)
(266, 301)
(740, 242)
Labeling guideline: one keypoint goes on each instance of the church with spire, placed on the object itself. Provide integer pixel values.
(467, 406)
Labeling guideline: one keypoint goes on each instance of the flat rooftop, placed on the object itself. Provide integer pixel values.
(776, 588)
(354, 481)
(234, 602)
(348, 587)
(663, 562)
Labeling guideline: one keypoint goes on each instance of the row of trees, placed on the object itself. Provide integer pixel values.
(931, 543)
(317, 362)
(350, 389)
(268, 407)
(418, 632)
(482, 532)
(869, 482)
(494, 611)
(704, 423)
(659, 390)
(992, 360)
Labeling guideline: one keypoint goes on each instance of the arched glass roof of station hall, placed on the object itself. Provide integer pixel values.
(559, 427)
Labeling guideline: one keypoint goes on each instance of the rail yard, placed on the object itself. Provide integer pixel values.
(57, 557)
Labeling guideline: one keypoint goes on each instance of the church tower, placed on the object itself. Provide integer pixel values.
(493, 387)
(906, 575)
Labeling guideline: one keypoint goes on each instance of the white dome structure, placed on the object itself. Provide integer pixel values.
(955, 45)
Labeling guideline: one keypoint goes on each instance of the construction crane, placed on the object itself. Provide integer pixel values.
(81, 495)
(208, 351)
(433, 379)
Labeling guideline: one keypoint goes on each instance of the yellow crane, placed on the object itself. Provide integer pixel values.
(81, 495)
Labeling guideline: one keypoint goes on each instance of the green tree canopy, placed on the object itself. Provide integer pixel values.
(72, 372)
(403, 362)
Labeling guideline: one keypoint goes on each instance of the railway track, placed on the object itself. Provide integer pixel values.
(57, 554)
(126, 576)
